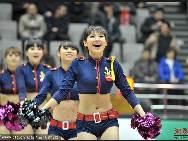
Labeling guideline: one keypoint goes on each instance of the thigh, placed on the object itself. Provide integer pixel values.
(86, 136)
(111, 133)
(4, 130)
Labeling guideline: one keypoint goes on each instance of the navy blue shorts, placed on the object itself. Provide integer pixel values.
(66, 134)
(96, 129)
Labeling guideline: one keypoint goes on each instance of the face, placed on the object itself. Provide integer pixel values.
(146, 55)
(12, 60)
(61, 11)
(32, 9)
(165, 29)
(159, 15)
(34, 54)
(171, 55)
(96, 43)
(67, 54)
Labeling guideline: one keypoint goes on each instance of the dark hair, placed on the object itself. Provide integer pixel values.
(88, 31)
(12, 49)
(171, 50)
(91, 29)
(158, 8)
(67, 43)
(167, 23)
(31, 42)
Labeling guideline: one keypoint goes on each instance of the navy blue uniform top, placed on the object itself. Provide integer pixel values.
(51, 83)
(95, 77)
(8, 82)
(30, 78)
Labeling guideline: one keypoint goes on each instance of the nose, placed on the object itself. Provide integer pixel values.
(69, 49)
(97, 38)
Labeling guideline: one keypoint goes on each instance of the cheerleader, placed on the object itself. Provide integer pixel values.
(63, 123)
(8, 81)
(30, 77)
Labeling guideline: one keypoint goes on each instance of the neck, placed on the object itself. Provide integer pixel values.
(12, 68)
(96, 56)
(34, 64)
(65, 66)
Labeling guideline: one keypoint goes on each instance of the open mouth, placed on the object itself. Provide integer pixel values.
(36, 57)
(96, 45)
(69, 55)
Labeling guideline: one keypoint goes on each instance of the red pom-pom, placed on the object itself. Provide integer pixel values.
(148, 126)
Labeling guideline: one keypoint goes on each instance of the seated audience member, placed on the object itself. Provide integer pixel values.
(160, 42)
(170, 71)
(32, 24)
(145, 69)
(152, 23)
(112, 28)
(58, 24)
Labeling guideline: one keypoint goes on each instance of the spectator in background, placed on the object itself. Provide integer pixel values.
(152, 23)
(145, 69)
(170, 71)
(32, 24)
(58, 24)
(112, 28)
(97, 17)
(160, 42)
(79, 12)
(127, 13)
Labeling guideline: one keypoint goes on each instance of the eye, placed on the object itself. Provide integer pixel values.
(39, 48)
(65, 48)
(101, 36)
(92, 36)
(10, 55)
(73, 49)
(32, 48)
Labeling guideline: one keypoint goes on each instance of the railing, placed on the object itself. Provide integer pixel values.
(164, 95)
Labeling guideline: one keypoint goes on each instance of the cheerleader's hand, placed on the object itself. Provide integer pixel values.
(45, 118)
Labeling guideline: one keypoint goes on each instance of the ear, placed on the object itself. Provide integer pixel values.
(85, 43)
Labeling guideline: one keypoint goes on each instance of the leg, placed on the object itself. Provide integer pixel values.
(86, 136)
(111, 133)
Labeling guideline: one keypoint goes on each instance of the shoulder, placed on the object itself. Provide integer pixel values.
(2, 71)
(80, 58)
(54, 69)
(22, 66)
(46, 66)
(111, 59)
